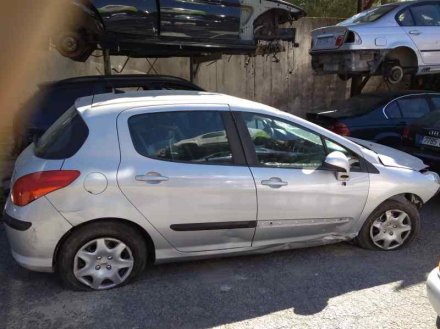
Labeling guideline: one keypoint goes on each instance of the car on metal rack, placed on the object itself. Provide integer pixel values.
(390, 40)
(167, 28)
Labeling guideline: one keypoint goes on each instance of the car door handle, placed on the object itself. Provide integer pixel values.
(274, 182)
(152, 178)
(415, 32)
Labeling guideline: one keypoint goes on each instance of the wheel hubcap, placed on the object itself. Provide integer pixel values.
(391, 229)
(103, 263)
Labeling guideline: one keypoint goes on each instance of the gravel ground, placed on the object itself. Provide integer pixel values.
(338, 286)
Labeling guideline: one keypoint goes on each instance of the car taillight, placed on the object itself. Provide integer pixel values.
(340, 41)
(33, 186)
(340, 129)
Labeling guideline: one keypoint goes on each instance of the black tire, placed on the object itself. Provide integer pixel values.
(102, 229)
(364, 239)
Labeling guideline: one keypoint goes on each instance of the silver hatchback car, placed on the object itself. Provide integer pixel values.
(390, 40)
(122, 181)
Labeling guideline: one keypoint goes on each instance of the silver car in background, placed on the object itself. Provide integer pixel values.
(120, 181)
(390, 40)
(433, 289)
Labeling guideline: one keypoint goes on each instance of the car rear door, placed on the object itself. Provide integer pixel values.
(183, 168)
(413, 107)
(298, 200)
(424, 29)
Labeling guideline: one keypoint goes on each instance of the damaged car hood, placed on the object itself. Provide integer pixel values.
(391, 157)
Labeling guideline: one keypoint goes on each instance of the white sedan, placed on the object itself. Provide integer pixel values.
(390, 40)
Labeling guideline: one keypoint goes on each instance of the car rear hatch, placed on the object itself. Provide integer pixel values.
(61, 141)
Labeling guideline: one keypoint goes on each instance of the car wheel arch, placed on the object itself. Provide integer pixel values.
(151, 249)
(404, 198)
(406, 56)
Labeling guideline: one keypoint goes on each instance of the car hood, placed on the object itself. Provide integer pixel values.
(391, 157)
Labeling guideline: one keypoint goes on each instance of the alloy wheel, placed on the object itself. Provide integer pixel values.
(391, 229)
(103, 263)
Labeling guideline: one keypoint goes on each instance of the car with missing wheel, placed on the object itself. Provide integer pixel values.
(390, 40)
(122, 181)
(167, 28)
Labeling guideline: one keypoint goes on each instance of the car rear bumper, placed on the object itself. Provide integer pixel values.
(433, 289)
(345, 62)
(34, 232)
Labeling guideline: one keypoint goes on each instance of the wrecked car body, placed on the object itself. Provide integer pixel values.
(390, 40)
(168, 28)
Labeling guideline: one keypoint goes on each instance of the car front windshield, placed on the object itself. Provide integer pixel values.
(369, 16)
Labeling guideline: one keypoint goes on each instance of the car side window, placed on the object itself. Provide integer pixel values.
(282, 144)
(183, 136)
(426, 15)
(413, 107)
(404, 18)
(392, 111)
(353, 158)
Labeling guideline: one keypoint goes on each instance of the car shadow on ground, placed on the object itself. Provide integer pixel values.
(208, 293)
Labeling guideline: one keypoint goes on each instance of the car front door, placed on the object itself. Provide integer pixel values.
(132, 18)
(211, 20)
(297, 199)
(183, 168)
(424, 28)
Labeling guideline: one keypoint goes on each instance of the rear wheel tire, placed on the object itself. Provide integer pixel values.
(101, 255)
(392, 226)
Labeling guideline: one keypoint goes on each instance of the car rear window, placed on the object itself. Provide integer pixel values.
(64, 138)
(370, 15)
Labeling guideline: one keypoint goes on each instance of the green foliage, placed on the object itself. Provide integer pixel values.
(332, 8)
(327, 8)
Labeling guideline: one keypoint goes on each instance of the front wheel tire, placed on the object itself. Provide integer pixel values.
(393, 225)
(101, 255)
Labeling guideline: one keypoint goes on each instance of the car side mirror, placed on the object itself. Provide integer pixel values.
(338, 162)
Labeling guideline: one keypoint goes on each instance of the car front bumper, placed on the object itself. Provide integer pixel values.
(433, 289)
(346, 62)
(34, 232)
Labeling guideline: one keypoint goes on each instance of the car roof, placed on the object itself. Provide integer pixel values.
(116, 103)
(109, 79)
(388, 96)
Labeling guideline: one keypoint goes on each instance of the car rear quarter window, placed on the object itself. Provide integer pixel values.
(413, 107)
(404, 18)
(182, 136)
(64, 138)
(392, 111)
